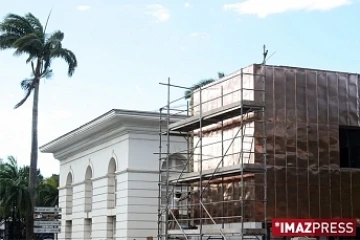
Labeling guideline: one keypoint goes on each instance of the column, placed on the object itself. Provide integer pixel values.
(78, 211)
(101, 229)
(139, 205)
(62, 205)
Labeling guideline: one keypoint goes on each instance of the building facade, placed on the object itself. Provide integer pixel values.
(272, 142)
(109, 176)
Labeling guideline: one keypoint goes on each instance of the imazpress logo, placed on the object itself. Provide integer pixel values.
(313, 227)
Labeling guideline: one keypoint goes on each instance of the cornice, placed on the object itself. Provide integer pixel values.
(108, 126)
(100, 139)
(48, 147)
(89, 143)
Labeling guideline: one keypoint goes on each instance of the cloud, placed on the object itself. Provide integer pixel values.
(187, 4)
(199, 35)
(264, 8)
(83, 7)
(159, 12)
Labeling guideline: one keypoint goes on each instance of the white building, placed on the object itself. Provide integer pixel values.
(109, 176)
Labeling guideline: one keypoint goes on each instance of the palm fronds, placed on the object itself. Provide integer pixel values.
(14, 189)
(200, 84)
(26, 35)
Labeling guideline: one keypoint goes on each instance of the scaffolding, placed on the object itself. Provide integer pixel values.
(221, 173)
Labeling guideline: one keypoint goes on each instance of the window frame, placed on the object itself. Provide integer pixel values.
(347, 146)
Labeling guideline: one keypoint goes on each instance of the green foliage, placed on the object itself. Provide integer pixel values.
(200, 84)
(13, 188)
(48, 191)
(14, 194)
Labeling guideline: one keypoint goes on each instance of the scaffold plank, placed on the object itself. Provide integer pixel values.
(220, 172)
(215, 115)
(216, 231)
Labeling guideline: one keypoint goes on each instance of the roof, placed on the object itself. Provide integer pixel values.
(108, 122)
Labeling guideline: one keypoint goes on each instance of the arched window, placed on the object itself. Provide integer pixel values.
(112, 185)
(69, 193)
(88, 189)
(112, 196)
(69, 204)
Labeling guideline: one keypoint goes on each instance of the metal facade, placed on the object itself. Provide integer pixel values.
(304, 109)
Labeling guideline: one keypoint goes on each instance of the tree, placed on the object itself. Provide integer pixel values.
(200, 84)
(14, 194)
(15, 197)
(48, 192)
(26, 35)
(13, 188)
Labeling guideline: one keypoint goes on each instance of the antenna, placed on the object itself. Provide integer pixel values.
(270, 56)
(265, 52)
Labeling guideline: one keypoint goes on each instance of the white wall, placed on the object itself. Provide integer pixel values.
(137, 187)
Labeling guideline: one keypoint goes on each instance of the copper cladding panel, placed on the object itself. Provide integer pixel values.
(304, 109)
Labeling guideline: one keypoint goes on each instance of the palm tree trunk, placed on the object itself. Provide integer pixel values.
(13, 223)
(33, 161)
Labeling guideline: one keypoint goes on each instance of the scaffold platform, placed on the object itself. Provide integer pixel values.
(227, 171)
(215, 115)
(216, 231)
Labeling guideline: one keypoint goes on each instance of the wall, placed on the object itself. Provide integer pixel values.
(142, 187)
(98, 158)
(304, 109)
(221, 196)
(137, 187)
(215, 95)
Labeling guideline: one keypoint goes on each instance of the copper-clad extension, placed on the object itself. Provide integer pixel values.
(304, 108)
(263, 143)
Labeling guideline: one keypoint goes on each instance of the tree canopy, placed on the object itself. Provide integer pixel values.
(14, 192)
(26, 35)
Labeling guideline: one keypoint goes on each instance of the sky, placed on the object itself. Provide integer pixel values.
(125, 48)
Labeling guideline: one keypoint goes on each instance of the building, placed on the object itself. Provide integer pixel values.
(267, 142)
(109, 176)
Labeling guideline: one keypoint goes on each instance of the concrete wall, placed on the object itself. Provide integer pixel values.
(136, 176)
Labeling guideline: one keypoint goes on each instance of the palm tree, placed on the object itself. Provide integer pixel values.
(49, 194)
(13, 187)
(28, 36)
(200, 84)
(14, 193)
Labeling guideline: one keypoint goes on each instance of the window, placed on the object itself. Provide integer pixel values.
(112, 185)
(111, 227)
(88, 228)
(68, 229)
(69, 194)
(88, 190)
(349, 143)
(114, 227)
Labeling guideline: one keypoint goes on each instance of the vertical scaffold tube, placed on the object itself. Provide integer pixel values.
(242, 153)
(167, 161)
(160, 183)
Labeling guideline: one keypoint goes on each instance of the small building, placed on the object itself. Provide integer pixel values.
(109, 176)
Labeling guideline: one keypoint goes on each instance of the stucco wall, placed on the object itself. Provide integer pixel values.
(137, 187)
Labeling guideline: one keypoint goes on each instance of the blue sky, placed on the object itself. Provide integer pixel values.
(125, 48)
